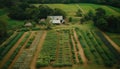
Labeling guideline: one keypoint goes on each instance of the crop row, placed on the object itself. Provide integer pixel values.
(48, 52)
(10, 44)
(25, 58)
(30, 42)
(97, 48)
(64, 51)
(85, 43)
(15, 52)
(117, 55)
(75, 49)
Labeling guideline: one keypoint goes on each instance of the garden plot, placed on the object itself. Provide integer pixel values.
(25, 58)
(16, 51)
(96, 50)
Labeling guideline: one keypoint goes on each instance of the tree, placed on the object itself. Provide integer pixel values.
(44, 11)
(59, 12)
(100, 12)
(90, 14)
(79, 13)
(3, 28)
(102, 24)
(19, 12)
(113, 23)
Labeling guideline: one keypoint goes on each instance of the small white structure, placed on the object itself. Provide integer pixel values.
(56, 19)
(28, 24)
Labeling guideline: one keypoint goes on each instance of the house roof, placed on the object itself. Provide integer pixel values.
(56, 17)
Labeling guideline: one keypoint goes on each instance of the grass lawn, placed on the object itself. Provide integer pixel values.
(71, 9)
(108, 9)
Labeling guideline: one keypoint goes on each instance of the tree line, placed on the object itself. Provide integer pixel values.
(109, 23)
(8, 3)
(25, 11)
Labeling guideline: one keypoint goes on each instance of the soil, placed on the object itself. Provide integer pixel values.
(81, 51)
(113, 43)
(33, 62)
(6, 58)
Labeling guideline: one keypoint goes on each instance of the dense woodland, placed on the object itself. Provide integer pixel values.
(115, 3)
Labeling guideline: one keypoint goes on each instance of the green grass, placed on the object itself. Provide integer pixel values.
(12, 24)
(71, 9)
(110, 11)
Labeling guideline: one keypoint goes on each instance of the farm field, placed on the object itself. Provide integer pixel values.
(64, 47)
(73, 46)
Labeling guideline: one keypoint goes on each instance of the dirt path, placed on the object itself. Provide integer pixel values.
(113, 43)
(33, 62)
(6, 58)
(76, 52)
(81, 52)
(17, 56)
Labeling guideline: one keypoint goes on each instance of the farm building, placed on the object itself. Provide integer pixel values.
(56, 19)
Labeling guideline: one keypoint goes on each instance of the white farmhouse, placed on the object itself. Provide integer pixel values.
(56, 19)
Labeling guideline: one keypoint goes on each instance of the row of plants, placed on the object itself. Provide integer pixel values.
(11, 36)
(15, 52)
(108, 62)
(107, 43)
(10, 44)
(97, 48)
(25, 58)
(30, 42)
(64, 56)
(94, 47)
(113, 55)
(71, 34)
(2, 47)
(48, 52)
(84, 43)
(89, 46)
(105, 48)
(72, 48)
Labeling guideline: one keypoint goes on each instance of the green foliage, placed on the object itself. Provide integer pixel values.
(15, 52)
(70, 19)
(59, 12)
(79, 13)
(3, 28)
(9, 46)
